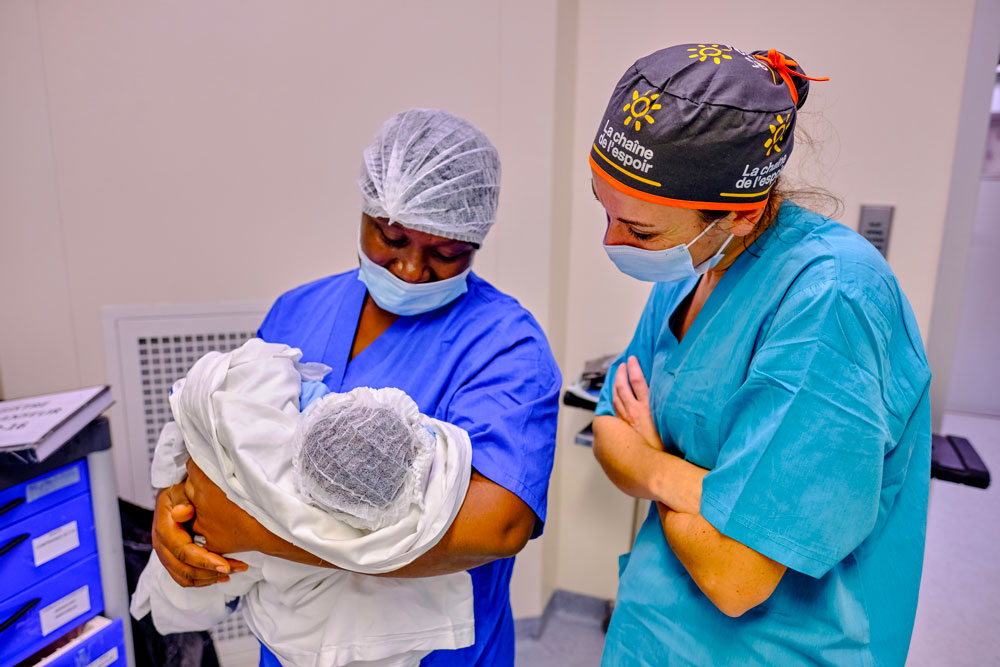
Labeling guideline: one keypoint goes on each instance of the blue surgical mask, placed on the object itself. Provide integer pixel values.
(672, 265)
(402, 298)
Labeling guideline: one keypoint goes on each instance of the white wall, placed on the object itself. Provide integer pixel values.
(956, 248)
(208, 151)
(38, 349)
(191, 151)
(975, 379)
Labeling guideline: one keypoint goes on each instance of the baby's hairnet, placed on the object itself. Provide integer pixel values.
(433, 172)
(362, 456)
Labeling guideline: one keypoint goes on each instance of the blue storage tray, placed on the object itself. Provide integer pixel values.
(37, 616)
(103, 648)
(57, 538)
(34, 495)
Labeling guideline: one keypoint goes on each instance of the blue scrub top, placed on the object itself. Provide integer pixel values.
(802, 386)
(481, 363)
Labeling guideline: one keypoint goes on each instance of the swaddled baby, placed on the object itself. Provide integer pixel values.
(360, 479)
(357, 457)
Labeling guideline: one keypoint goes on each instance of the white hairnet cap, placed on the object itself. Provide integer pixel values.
(433, 172)
(363, 456)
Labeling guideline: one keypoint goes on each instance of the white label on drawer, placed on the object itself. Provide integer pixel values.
(107, 659)
(44, 487)
(64, 610)
(55, 543)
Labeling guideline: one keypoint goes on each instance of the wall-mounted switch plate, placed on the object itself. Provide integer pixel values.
(876, 221)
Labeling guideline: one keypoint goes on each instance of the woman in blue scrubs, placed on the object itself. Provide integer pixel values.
(413, 316)
(773, 401)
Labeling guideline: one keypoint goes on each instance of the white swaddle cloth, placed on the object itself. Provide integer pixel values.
(236, 415)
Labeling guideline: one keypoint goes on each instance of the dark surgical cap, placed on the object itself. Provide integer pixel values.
(703, 126)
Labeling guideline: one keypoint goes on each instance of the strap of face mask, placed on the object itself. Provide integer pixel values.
(704, 231)
(725, 244)
(718, 252)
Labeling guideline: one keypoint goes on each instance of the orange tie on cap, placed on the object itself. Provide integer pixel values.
(779, 62)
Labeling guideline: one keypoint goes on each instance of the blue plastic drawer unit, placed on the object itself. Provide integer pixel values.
(100, 646)
(36, 616)
(35, 495)
(44, 544)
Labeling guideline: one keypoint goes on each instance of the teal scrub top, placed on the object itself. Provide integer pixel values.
(802, 386)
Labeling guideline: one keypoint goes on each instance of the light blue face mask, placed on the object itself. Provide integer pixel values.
(402, 298)
(672, 265)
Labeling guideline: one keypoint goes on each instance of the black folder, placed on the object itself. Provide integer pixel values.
(953, 459)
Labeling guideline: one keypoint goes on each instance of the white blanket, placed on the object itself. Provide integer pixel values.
(235, 415)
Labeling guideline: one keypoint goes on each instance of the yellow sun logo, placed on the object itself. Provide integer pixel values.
(640, 106)
(705, 51)
(777, 134)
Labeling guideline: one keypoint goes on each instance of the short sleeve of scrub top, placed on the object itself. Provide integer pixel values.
(805, 496)
(507, 410)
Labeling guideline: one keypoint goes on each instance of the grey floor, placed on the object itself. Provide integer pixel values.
(958, 616)
(571, 634)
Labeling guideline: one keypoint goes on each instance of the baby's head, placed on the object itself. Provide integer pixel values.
(359, 458)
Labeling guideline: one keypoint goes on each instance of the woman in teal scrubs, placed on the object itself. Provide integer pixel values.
(773, 401)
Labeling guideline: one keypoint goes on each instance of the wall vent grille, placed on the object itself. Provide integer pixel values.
(147, 348)
(165, 359)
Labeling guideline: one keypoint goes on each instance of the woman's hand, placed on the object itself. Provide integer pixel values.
(630, 398)
(186, 562)
(226, 527)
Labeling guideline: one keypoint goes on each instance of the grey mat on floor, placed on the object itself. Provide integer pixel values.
(571, 633)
